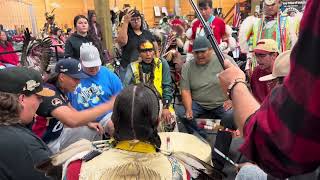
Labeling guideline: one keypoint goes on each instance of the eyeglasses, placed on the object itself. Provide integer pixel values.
(135, 19)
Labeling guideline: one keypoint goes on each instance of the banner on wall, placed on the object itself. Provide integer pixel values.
(292, 6)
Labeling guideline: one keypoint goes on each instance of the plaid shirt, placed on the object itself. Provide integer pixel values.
(283, 136)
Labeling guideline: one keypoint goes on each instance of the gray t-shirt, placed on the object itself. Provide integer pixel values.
(203, 82)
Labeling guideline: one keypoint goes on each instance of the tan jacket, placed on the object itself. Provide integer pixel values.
(116, 164)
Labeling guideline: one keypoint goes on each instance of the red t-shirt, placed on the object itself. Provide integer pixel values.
(217, 25)
(260, 89)
(11, 58)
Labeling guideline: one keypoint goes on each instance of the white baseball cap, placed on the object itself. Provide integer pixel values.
(89, 55)
(281, 67)
(269, 2)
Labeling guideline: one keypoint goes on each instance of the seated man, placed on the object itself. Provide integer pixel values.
(136, 154)
(99, 88)
(202, 95)
(21, 92)
(266, 52)
(281, 136)
(154, 72)
(281, 68)
(55, 112)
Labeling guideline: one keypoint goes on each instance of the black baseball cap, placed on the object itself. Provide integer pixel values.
(70, 67)
(22, 80)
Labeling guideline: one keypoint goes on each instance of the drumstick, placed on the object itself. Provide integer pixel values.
(225, 157)
(214, 126)
(99, 142)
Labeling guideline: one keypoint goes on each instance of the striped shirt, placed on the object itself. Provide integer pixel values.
(283, 136)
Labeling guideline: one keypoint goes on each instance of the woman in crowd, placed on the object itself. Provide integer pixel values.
(57, 39)
(94, 27)
(10, 59)
(72, 47)
(130, 32)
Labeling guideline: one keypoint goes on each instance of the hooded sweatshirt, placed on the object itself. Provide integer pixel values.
(72, 47)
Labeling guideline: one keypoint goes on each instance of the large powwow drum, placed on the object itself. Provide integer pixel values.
(183, 142)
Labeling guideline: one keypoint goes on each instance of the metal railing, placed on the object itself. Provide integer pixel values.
(54, 46)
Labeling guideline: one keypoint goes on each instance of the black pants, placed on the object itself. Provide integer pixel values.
(223, 141)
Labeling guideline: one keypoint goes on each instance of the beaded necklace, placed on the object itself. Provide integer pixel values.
(280, 32)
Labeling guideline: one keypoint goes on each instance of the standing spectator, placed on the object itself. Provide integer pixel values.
(10, 59)
(21, 92)
(216, 24)
(49, 25)
(55, 38)
(130, 33)
(94, 27)
(65, 28)
(61, 35)
(74, 42)
(68, 33)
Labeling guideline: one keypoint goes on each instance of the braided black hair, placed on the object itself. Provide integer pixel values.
(135, 115)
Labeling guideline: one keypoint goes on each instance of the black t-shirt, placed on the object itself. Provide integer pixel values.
(73, 44)
(53, 127)
(75, 41)
(130, 50)
(20, 151)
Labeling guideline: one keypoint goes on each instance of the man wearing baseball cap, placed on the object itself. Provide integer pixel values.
(272, 25)
(202, 96)
(55, 112)
(265, 52)
(99, 88)
(281, 68)
(21, 92)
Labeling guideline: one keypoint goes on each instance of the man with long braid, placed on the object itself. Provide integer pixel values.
(155, 72)
(138, 152)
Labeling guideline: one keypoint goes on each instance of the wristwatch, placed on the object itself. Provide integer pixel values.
(233, 84)
(166, 104)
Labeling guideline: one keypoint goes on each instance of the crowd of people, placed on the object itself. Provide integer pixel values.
(169, 77)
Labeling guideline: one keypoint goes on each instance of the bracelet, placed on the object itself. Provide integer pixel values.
(232, 85)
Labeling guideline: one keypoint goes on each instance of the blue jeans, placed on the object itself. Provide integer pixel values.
(198, 111)
(223, 139)
(122, 73)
